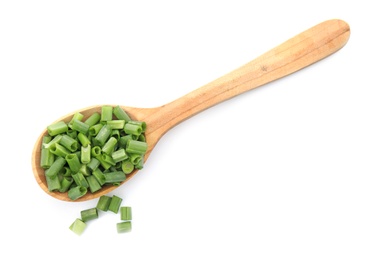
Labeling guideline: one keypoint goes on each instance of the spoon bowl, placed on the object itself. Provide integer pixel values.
(298, 52)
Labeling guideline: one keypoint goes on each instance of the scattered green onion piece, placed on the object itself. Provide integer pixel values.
(94, 185)
(65, 171)
(89, 214)
(127, 166)
(124, 227)
(124, 140)
(142, 124)
(106, 113)
(103, 203)
(77, 192)
(115, 203)
(78, 226)
(125, 213)
(108, 159)
(93, 119)
(121, 114)
(57, 128)
(84, 170)
(135, 159)
(57, 165)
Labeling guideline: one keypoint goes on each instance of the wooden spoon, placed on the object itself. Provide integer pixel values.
(296, 53)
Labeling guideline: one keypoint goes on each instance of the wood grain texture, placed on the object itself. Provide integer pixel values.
(296, 53)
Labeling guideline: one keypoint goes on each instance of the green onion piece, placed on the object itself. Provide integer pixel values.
(106, 165)
(80, 180)
(86, 154)
(103, 203)
(126, 213)
(57, 128)
(93, 164)
(55, 140)
(95, 129)
(116, 124)
(136, 158)
(57, 165)
(80, 126)
(65, 171)
(84, 170)
(99, 175)
(106, 113)
(94, 185)
(76, 116)
(137, 147)
(89, 214)
(53, 183)
(93, 119)
(102, 135)
(77, 192)
(69, 143)
(132, 129)
(78, 226)
(114, 177)
(115, 203)
(108, 147)
(119, 155)
(84, 140)
(142, 124)
(73, 162)
(124, 140)
(115, 133)
(96, 151)
(124, 227)
(127, 166)
(59, 150)
(66, 182)
(47, 158)
(108, 159)
(121, 114)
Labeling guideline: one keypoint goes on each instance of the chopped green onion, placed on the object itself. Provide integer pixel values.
(73, 162)
(57, 128)
(95, 129)
(80, 179)
(127, 166)
(114, 177)
(80, 126)
(47, 158)
(59, 150)
(53, 183)
(89, 214)
(76, 116)
(108, 147)
(121, 114)
(94, 185)
(119, 155)
(137, 147)
(78, 226)
(69, 143)
(84, 140)
(57, 165)
(132, 129)
(93, 119)
(86, 154)
(106, 113)
(124, 227)
(77, 192)
(93, 164)
(115, 203)
(116, 124)
(103, 203)
(125, 213)
(99, 175)
(102, 135)
(66, 182)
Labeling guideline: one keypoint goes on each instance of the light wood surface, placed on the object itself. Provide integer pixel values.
(296, 53)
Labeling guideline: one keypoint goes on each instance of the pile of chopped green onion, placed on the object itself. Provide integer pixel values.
(105, 203)
(85, 154)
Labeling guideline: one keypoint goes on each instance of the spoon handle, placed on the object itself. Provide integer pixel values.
(296, 53)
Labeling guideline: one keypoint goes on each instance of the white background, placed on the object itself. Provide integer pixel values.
(291, 170)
